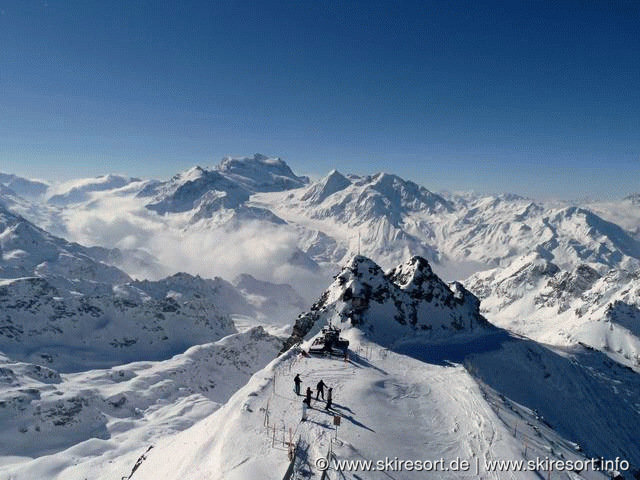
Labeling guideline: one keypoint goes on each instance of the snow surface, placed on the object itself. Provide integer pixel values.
(393, 405)
(560, 273)
(427, 397)
(535, 298)
(96, 423)
(24, 187)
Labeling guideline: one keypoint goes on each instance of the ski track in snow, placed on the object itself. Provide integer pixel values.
(391, 406)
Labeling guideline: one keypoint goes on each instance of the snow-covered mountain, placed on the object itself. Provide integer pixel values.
(378, 208)
(50, 322)
(63, 308)
(388, 218)
(382, 216)
(322, 224)
(408, 302)
(187, 190)
(226, 187)
(478, 398)
(495, 230)
(23, 186)
(359, 199)
(30, 251)
(536, 298)
(261, 173)
(426, 370)
(96, 423)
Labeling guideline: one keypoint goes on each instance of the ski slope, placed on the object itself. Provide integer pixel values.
(391, 405)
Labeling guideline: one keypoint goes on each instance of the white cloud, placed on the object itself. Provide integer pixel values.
(261, 249)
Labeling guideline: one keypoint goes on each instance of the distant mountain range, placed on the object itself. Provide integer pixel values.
(497, 245)
(536, 344)
(63, 307)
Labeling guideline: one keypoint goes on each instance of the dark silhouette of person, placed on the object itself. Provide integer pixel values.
(297, 382)
(308, 398)
(329, 399)
(320, 388)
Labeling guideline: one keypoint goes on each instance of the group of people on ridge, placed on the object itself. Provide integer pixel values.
(319, 392)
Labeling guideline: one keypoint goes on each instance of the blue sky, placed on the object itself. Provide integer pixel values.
(539, 98)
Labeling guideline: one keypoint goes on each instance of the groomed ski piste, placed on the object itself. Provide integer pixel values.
(394, 408)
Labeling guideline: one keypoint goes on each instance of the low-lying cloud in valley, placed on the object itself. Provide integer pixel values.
(259, 248)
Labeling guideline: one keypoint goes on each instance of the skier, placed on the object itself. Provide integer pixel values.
(307, 400)
(320, 388)
(297, 383)
(329, 399)
(304, 409)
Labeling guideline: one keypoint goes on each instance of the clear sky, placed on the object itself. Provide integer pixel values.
(535, 97)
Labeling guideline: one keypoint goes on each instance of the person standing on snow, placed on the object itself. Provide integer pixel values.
(329, 399)
(308, 399)
(297, 383)
(320, 388)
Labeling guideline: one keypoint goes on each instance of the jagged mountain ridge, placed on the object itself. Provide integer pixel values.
(360, 199)
(396, 219)
(62, 307)
(43, 322)
(578, 238)
(388, 219)
(476, 397)
(407, 301)
(598, 307)
(381, 207)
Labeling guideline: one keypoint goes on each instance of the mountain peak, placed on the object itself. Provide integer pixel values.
(412, 273)
(359, 264)
(405, 194)
(229, 163)
(332, 183)
(261, 173)
(390, 308)
(192, 173)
